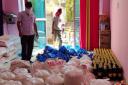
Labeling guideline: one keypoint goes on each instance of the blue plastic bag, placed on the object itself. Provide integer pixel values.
(63, 49)
(42, 58)
(72, 52)
(48, 49)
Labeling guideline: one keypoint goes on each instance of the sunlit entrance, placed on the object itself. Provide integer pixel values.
(44, 11)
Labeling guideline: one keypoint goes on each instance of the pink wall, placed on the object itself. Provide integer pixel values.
(10, 6)
(119, 30)
(104, 7)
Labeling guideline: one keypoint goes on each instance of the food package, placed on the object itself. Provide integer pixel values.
(36, 66)
(55, 80)
(21, 74)
(100, 82)
(33, 81)
(2, 81)
(74, 62)
(11, 82)
(20, 70)
(42, 74)
(74, 77)
(7, 75)
(19, 64)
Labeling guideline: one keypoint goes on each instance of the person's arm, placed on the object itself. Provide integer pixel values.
(35, 29)
(62, 26)
(19, 25)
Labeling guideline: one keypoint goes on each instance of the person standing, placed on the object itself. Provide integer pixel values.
(27, 30)
(56, 30)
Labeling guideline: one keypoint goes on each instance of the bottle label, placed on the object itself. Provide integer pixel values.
(114, 74)
(119, 75)
(110, 75)
(99, 74)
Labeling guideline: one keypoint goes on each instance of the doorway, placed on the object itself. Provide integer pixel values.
(104, 24)
(69, 21)
(44, 11)
(39, 11)
(1, 18)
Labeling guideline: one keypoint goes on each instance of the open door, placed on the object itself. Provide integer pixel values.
(77, 22)
(39, 11)
(1, 18)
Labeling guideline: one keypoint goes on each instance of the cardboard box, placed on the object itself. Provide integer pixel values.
(105, 39)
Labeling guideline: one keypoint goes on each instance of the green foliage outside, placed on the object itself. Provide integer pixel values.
(69, 10)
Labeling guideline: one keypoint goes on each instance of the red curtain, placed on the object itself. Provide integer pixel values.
(83, 24)
(94, 24)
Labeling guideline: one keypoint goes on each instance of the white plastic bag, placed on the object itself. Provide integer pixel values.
(42, 74)
(100, 82)
(2, 81)
(22, 76)
(85, 61)
(33, 81)
(20, 70)
(7, 75)
(11, 82)
(74, 77)
(55, 80)
(37, 65)
(19, 64)
(74, 62)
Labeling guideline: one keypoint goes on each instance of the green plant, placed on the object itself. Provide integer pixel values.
(69, 10)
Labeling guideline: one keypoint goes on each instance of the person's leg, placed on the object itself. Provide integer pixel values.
(59, 37)
(30, 47)
(24, 47)
(55, 35)
(54, 38)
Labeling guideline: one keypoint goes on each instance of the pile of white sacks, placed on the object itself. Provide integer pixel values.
(51, 72)
(9, 45)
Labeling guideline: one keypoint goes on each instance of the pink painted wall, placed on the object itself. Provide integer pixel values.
(104, 7)
(119, 30)
(10, 6)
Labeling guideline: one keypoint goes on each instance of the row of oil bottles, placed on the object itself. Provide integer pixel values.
(106, 65)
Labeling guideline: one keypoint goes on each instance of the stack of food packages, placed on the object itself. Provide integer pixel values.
(51, 72)
(106, 65)
(122, 82)
(9, 45)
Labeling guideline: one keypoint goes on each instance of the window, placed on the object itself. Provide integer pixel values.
(77, 21)
(39, 11)
(21, 5)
